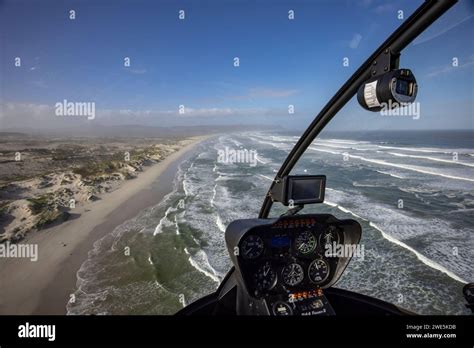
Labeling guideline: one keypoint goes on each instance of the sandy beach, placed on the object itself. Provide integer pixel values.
(45, 286)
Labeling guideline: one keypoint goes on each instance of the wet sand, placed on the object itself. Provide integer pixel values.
(45, 286)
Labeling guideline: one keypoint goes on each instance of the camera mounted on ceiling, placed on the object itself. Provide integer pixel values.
(389, 87)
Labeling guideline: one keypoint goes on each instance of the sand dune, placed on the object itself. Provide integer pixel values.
(44, 286)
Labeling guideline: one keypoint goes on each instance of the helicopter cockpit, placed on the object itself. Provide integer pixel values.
(286, 265)
(283, 265)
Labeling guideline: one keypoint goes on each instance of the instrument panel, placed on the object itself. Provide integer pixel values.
(289, 255)
(284, 264)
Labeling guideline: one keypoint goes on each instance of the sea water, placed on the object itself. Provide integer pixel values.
(412, 192)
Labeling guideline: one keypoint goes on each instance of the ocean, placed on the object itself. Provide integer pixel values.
(412, 192)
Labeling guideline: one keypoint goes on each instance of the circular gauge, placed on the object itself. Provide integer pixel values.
(265, 277)
(305, 242)
(329, 237)
(292, 274)
(251, 247)
(318, 271)
(281, 308)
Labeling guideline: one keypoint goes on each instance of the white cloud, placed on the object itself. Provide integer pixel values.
(356, 39)
(262, 92)
(439, 30)
(271, 92)
(23, 114)
(27, 115)
(222, 112)
(463, 64)
(136, 71)
(366, 3)
(384, 8)
(39, 83)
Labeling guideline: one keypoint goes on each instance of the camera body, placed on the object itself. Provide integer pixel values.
(393, 89)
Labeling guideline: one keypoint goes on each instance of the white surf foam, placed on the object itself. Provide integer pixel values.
(219, 223)
(391, 174)
(412, 168)
(343, 141)
(415, 149)
(319, 143)
(427, 261)
(345, 210)
(164, 221)
(265, 177)
(391, 239)
(185, 188)
(214, 192)
(277, 145)
(431, 159)
(150, 261)
(395, 165)
(326, 151)
(421, 257)
(200, 262)
(176, 224)
(259, 159)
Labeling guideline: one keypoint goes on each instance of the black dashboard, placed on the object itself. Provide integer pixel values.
(286, 263)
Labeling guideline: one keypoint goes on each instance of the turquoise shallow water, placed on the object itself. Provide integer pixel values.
(416, 255)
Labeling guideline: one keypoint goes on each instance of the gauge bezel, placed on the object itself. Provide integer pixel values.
(336, 231)
(316, 243)
(283, 303)
(328, 266)
(244, 241)
(273, 282)
(286, 267)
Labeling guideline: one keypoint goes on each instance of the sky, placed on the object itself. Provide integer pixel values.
(190, 62)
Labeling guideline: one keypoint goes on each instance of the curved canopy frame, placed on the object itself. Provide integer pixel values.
(388, 53)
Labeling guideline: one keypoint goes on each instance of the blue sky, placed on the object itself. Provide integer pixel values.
(190, 62)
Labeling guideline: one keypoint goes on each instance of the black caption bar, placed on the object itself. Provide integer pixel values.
(50, 330)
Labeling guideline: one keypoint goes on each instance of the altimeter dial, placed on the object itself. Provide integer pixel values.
(265, 277)
(252, 247)
(305, 242)
(329, 237)
(292, 274)
(318, 271)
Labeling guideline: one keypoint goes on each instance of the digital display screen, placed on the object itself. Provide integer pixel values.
(280, 241)
(402, 87)
(306, 189)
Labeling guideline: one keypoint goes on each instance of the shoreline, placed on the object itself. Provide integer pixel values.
(45, 286)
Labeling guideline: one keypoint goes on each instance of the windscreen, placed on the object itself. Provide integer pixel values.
(133, 132)
(407, 176)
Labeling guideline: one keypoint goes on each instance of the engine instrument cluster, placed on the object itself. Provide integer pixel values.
(289, 261)
(290, 255)
(284, 264)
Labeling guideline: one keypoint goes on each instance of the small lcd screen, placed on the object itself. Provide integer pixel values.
(402, 87)
(306, 190)
(280, 241)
